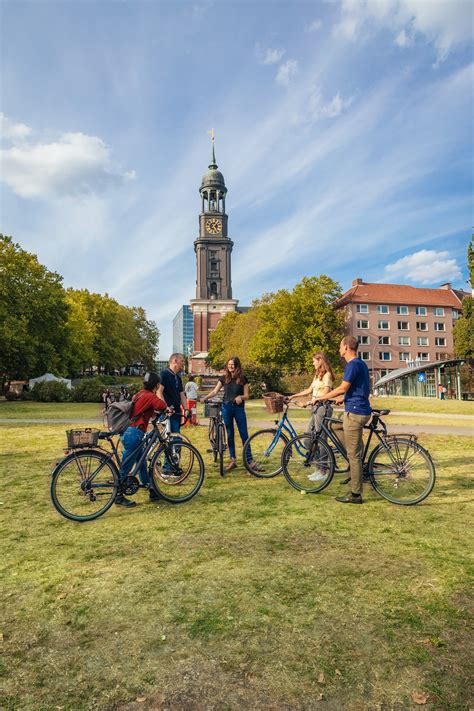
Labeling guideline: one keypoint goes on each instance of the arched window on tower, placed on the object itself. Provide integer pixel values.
(213, 290)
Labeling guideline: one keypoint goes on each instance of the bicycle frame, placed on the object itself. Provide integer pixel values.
(285, 425)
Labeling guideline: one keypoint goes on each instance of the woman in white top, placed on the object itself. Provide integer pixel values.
(323, 382)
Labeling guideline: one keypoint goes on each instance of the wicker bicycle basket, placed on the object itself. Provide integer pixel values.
(212, 409)
(273, 402)
(82, 438)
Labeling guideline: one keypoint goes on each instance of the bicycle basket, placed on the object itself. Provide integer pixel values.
(211, 409)
(82, 438)
(273, 402)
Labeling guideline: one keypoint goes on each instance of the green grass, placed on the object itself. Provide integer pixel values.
(241, 598)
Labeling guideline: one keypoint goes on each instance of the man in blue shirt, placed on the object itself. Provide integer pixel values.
(354, 391)
(171, 389)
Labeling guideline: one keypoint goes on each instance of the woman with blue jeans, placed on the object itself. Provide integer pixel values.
(145, 403)
(236, 391)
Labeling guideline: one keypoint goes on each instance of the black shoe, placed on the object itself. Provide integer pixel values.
(154, 496)
(122, 501)
(349, 498)
(344, 482)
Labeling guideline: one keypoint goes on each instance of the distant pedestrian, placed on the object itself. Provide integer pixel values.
(191, 391)
(442, 391)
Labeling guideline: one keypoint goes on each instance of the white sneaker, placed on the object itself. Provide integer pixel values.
(318, 475)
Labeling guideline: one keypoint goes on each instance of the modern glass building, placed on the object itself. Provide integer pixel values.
(423, 380)
(183, 331)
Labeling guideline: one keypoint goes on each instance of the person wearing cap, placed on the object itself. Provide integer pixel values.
(145, 402)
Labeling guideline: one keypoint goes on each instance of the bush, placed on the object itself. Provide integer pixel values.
(89, 390)
(11, 395)
(261, 380)
(297, 382)
(51, 392)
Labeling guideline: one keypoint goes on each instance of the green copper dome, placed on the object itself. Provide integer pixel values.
(213, 178)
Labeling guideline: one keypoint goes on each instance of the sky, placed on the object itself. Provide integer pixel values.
(343, 130)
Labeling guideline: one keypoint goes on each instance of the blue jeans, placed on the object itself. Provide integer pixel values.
(175, 426)
(132, 452)
(231, 412)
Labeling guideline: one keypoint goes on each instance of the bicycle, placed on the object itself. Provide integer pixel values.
(268, 445)
(217, 433)
(86, 482)
(398, 468)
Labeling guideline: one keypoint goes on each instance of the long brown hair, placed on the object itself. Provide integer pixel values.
(239, 373)
(324, 365)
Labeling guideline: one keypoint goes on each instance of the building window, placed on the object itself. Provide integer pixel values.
(455, 314)
(402, 310)
(438, 311)
(403, 326)
(421, 326)
(365, 355)
(362, 308)
(384, 371)
(382, 309)
(422, 341)
(420, 310)
(363, 340)
(403, 340)
(385, 355)
(404, 355)
(384, 325)
(423, 356)
(440, 341)
(439, 326)
(213, 266)
(442, 356)
(362, 324)
(384, 340)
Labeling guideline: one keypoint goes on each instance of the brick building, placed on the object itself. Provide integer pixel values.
(397, 325)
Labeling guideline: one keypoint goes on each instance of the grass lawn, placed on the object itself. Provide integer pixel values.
(251, 596)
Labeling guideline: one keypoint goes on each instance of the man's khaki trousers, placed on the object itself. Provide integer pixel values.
(349, 433)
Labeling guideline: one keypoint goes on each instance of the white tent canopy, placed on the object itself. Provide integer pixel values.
(48, 377)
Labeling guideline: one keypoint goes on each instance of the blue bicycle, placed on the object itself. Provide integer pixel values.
(268, 445)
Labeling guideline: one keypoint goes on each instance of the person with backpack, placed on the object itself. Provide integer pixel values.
(145, 402)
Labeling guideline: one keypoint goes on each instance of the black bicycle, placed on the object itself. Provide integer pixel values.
(86, 482)
(398, 468)
(217, 433)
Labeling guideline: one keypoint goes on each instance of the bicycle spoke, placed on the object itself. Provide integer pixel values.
(177, 471)
(402, 473)
(262, 453)
(308, 465)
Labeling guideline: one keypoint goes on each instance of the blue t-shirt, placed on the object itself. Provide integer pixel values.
(173, 386)
(357, 397)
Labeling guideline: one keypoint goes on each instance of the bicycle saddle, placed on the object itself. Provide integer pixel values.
(380, 412)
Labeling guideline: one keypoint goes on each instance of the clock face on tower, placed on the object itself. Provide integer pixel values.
(214, 225)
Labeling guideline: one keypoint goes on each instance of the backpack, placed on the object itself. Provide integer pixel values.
(118, 415)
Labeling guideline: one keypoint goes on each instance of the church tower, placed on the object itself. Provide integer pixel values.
(213, 260)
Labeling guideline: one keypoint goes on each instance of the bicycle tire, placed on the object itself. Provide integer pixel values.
(396, 475)
(186, 479)
(221, 446)
(212, 438)
(264, 458)
(298, 459)
(75, 499)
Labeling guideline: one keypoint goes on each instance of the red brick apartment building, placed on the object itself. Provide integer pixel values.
(397, 325)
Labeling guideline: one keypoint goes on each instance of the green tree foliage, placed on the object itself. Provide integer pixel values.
(282, 330)
(463, 331)
(45, 328)
(295, 324)
(33, 313)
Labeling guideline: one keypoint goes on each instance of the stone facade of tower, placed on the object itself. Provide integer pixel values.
(213, 264)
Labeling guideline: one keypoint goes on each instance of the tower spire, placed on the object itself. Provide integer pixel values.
(212, 164)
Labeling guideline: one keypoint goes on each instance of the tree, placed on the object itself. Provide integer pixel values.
(295, 324)
(463, 331)
(33, 313)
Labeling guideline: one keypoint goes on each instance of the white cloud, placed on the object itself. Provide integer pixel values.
(13, 131)
(76, 164)
(445, 24)
(286, 71)
(313, 26)
(425, 267)
(266, 55)
(317, 108)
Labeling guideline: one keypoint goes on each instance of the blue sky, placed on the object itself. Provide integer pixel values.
(343, 130)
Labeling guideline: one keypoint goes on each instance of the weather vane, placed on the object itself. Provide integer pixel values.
(211, 133)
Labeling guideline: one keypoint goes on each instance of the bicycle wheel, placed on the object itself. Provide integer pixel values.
(84, 485)
(212, 434)
(221, 446)
(266, 449)
(308, 464)
(401, 471)
(177, 471)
